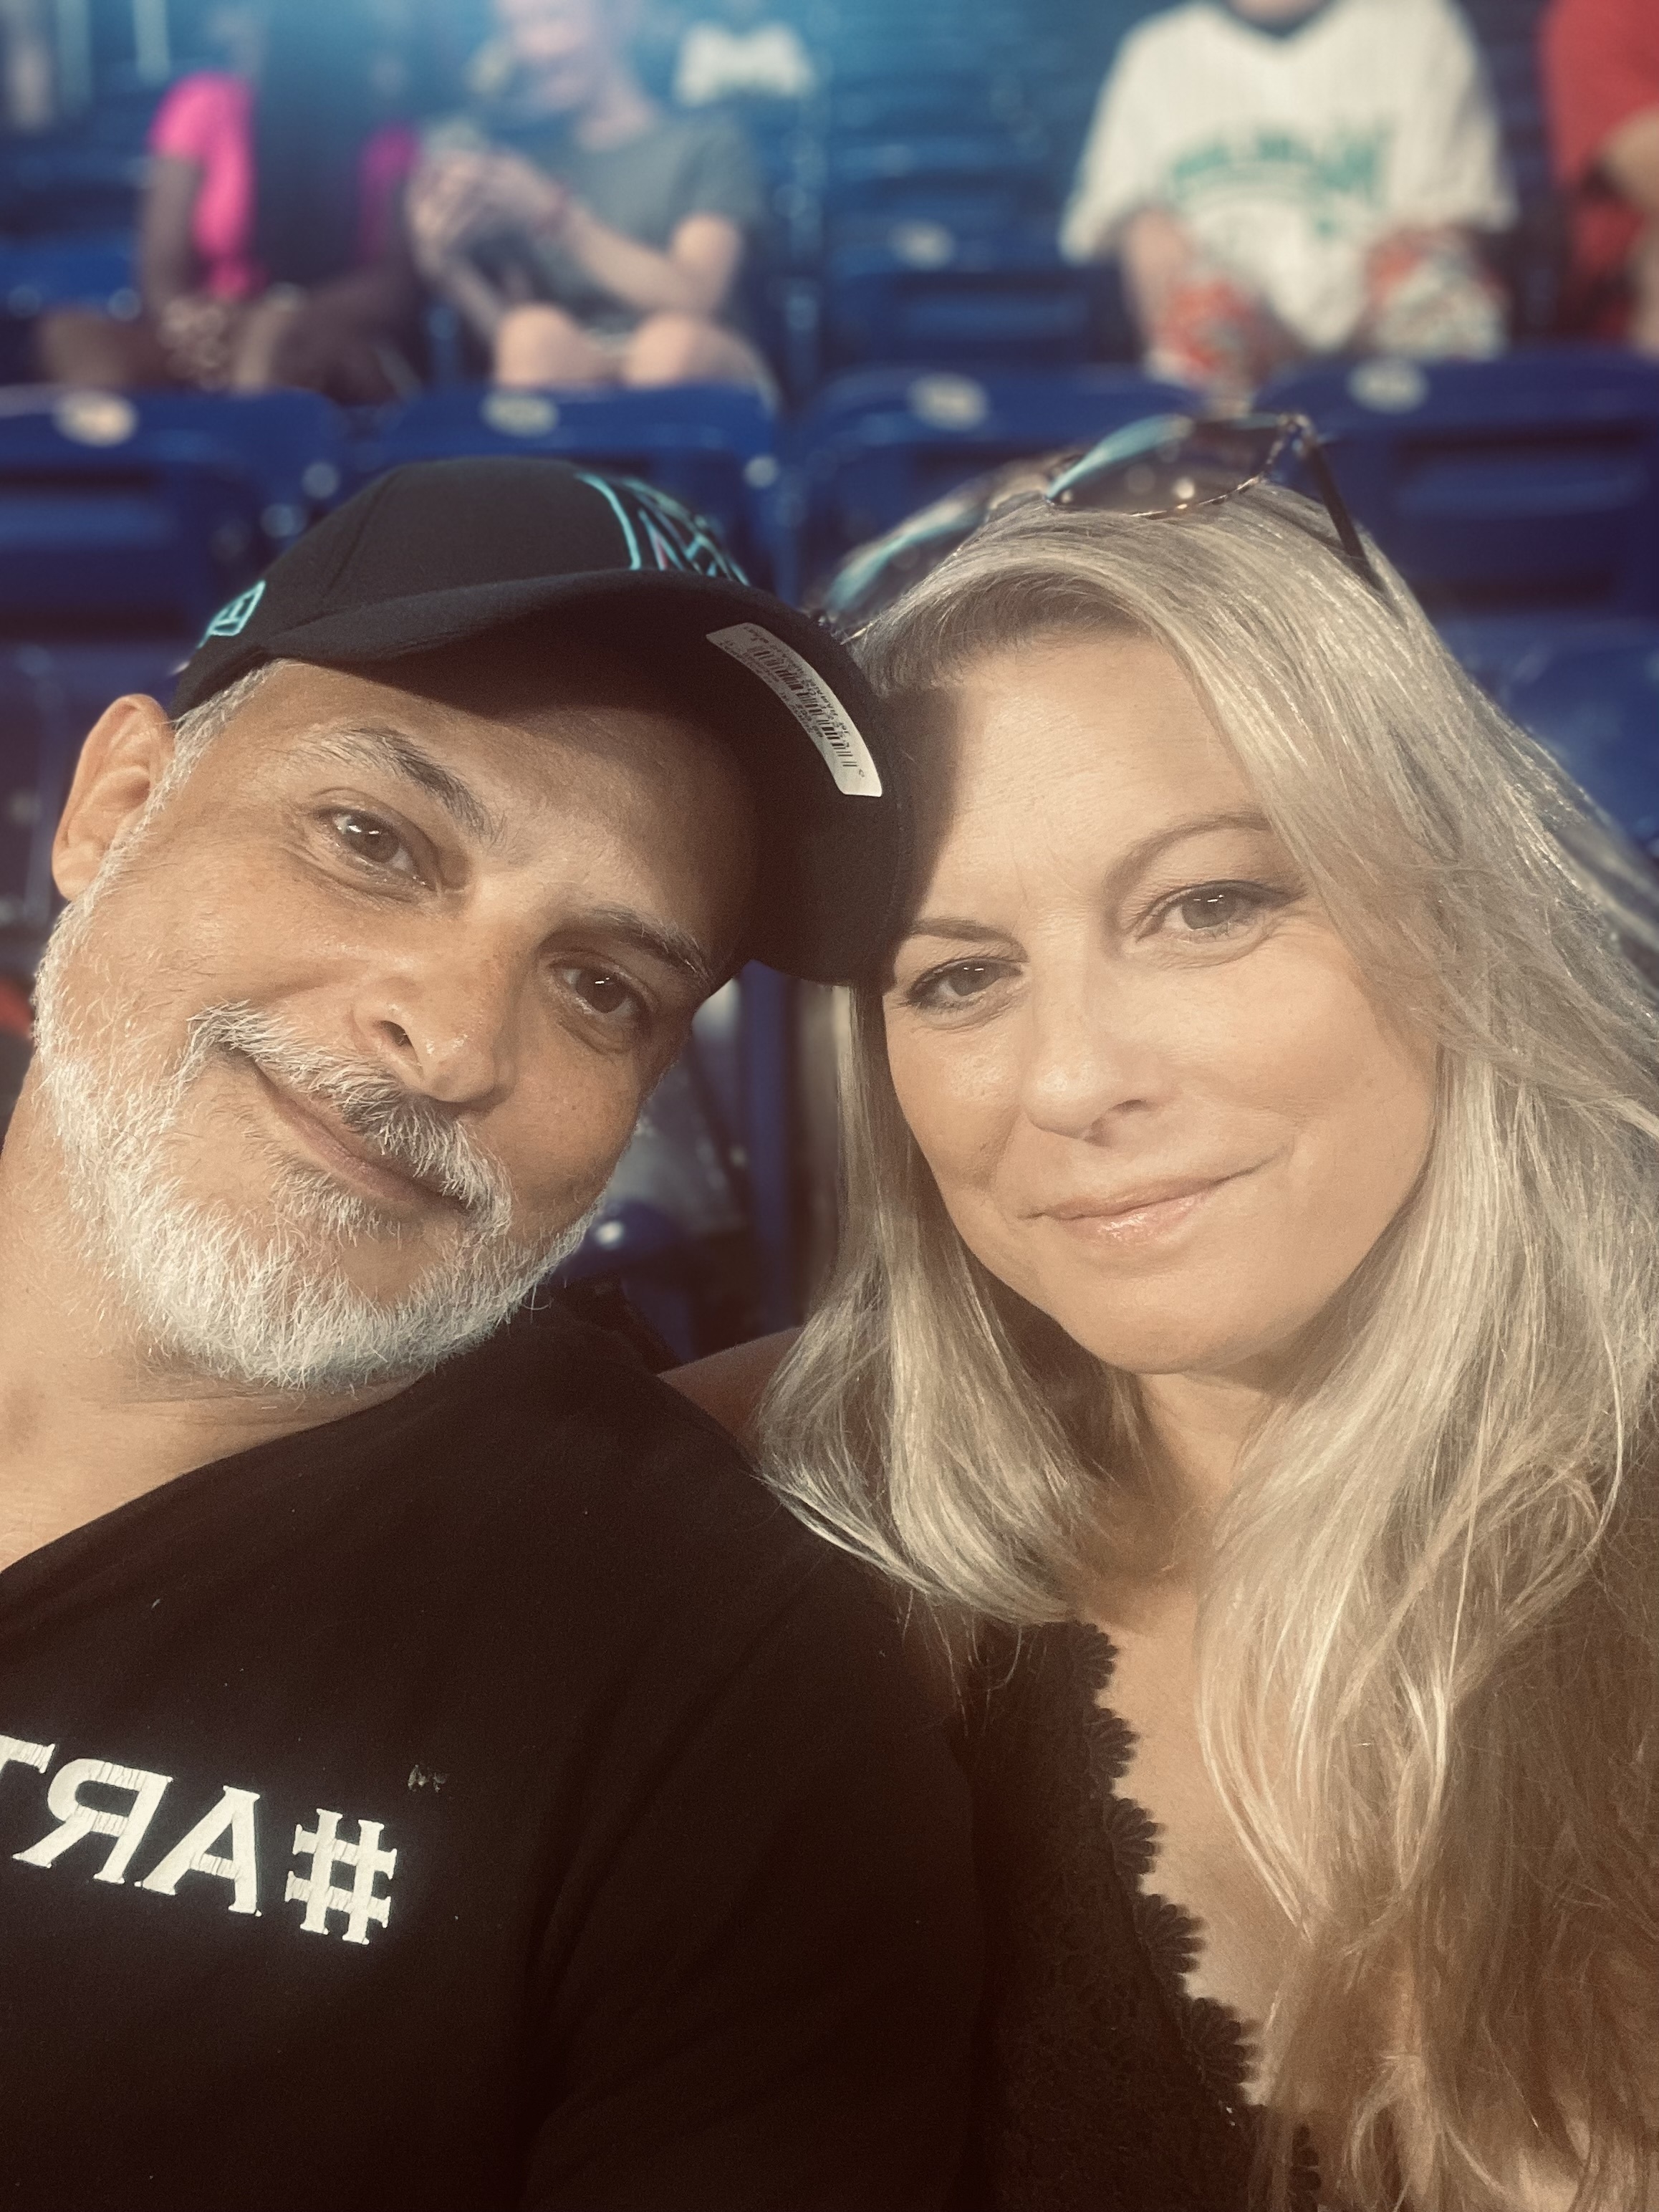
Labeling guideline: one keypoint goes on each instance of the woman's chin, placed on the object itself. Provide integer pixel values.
(1149, 1342)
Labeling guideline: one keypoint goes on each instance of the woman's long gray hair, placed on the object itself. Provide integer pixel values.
(1429, 1645)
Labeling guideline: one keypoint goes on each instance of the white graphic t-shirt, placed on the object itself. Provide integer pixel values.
(1289, 155)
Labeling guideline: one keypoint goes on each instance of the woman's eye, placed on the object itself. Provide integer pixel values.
(959, 984)
(603, 991)
(1217, 910)
(367, 838)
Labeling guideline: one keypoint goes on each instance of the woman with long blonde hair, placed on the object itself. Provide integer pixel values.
(1249, 1297)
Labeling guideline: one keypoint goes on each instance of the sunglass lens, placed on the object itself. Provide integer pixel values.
(873, 575)
(1202, 461)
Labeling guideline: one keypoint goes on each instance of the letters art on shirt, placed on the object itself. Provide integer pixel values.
(343, 1889)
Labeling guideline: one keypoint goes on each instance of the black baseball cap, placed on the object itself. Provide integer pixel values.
(438, 552)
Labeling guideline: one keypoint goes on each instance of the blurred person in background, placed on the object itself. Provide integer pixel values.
(1600, 68)
(28, 74)
(741, 50)
(586, 236)
(270, 247)
(1281, 180)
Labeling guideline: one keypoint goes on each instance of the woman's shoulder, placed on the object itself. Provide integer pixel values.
(729, 1385)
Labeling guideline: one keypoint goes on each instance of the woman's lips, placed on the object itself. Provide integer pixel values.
(1145, 1214)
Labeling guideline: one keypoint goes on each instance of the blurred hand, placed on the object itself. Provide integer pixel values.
(199, 335)
(524, 198)
(448, 207)
(461, 197)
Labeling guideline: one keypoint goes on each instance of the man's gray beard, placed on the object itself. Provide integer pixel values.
(267, 1306)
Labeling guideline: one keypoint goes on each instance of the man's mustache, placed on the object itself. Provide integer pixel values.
(421, 1140)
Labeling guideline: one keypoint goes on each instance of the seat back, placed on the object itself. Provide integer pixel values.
(50, 697)
(970, 183)
(1595, 703)
(880, 444)
(1527, 482)
(91, 272)
(142, 512)
(697, 1223)
(925, 293)
(711, 446)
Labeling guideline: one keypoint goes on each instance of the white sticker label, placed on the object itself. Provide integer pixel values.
(810, 700)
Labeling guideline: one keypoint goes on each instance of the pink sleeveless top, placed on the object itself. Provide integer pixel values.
(208, 119)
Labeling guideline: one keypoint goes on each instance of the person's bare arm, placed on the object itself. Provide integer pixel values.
(447, 206)
(1157, 251)
(730, 1385)
(1629, 162)
(695, 276)
(1630, 159)
(379, 297)
(168, 267)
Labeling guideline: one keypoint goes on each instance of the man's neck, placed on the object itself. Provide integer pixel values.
(87, 1422)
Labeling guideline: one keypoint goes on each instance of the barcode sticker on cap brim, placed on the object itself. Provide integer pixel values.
(810, 700)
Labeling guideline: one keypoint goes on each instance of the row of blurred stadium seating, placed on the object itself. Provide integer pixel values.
(915, 196)
(1520, 496)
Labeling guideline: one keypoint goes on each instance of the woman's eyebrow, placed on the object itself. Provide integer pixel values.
(392, 750)
(1129, 864)
(957, 929)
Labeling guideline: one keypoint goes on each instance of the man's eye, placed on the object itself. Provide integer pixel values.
(366, 837)
(604, 990)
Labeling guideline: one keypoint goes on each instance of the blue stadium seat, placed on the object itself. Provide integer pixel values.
(884, 50)
(90, 272)
(1594, 701)
(65, 181)
(711, 446)
(142, 512)
(1529, 483)
(700, 1210)
(989, 182)
(36, 275)
(880, 444)
(945, 101)
(928, 294)
(50, 697)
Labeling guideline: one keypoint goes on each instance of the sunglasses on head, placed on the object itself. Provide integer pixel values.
(1166, 464)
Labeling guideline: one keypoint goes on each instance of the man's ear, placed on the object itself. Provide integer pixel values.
(128, 750)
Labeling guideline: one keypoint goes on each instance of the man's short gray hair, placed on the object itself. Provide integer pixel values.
(193, 732)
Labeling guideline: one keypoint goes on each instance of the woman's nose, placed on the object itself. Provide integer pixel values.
(1090, 1055)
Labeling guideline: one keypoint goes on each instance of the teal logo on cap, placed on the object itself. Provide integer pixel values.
(235, 616)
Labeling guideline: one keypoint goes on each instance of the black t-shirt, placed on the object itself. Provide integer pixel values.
(492, 1798)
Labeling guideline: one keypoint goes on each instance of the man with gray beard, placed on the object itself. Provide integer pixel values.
(433, 1774)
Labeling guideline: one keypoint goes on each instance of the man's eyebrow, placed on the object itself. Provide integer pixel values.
(1125, 868)
(392, 748)
(662, 940)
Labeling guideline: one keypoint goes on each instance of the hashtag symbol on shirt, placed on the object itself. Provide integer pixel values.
(317, 1893)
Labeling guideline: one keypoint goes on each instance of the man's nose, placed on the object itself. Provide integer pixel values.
(448, 1027)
